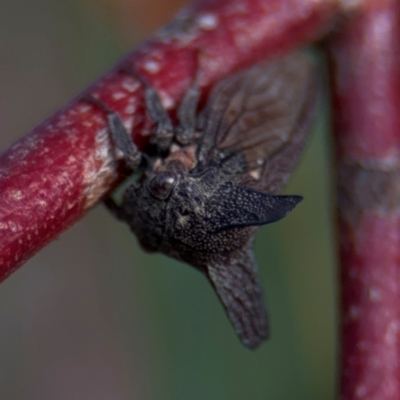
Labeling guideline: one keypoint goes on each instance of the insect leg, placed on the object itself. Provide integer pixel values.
(123, 141)
(187, 115)
(187, 112)
(164, 130)
(114, 208)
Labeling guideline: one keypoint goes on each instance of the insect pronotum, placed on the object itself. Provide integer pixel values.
(218, 178)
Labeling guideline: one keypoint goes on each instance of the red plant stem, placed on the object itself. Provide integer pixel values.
(53, 175)
(366, 70)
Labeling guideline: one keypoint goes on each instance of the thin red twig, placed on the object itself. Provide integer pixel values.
(366, 86)
(54, 174)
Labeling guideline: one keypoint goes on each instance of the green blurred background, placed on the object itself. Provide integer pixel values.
(92, 316)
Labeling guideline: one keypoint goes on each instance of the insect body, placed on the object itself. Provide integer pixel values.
(203, 201)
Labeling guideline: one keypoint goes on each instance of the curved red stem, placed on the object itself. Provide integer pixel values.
(53, 175)
(366, 87)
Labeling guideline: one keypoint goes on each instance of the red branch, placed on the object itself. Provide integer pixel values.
(53, 175)
(366, 69)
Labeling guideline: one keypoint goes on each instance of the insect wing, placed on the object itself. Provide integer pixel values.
(265, 114)
(235, 280)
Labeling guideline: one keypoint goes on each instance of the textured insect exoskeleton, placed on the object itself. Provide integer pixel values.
(220, 177)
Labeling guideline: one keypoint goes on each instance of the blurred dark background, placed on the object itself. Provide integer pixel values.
(92, 316)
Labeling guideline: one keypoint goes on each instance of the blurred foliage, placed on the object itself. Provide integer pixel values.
(92, 316)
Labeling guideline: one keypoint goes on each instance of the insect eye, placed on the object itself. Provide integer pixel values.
(162, 184)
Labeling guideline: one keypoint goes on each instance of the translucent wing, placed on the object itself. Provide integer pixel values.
(265, 114)
(236, 282)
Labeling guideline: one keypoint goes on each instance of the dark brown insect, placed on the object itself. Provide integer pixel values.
(202, 202)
